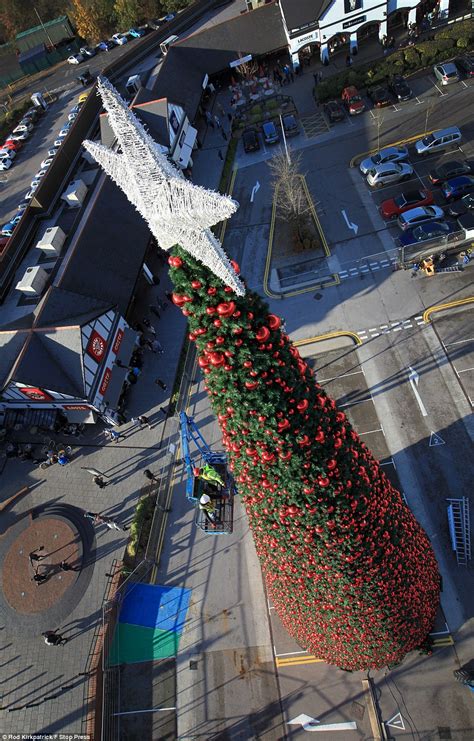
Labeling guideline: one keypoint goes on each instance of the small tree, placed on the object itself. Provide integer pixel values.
(291, 199)
(127, 12)
(87, 20)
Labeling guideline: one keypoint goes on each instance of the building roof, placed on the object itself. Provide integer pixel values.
(107, 250)
(300, 13)
(60, 308)
(11, 343)
(151, 111)
(210, 51)
(53, 360)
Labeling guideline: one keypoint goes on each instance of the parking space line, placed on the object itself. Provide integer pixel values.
(437, 88)
(463, 83)
(459, 342)
(387, 463)
(370, 432)
(464, 370)
(419, 101)
(290, 653)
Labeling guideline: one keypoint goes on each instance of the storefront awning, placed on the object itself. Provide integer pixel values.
(114, 389)
(127, 346)
(187, 148)
(80, 416)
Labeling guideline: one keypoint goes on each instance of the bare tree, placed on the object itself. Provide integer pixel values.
(247, 70)
(291, 200)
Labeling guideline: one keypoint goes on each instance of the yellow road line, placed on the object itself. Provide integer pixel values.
(445, 641)
(440, 307)
(410, 139)
(297, 660)
(328, 336)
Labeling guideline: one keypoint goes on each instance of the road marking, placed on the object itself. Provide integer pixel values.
(254, 191)
(396, 722)
(350, 224)
(446, 641)
(309, 724)
(414, 379)
(464, 370)
(297, 660)
(291, 653)
(368, 334)
(436, 440)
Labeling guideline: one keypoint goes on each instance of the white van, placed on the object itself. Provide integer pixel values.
(165, 45)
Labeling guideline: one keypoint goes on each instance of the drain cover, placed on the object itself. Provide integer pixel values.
(193, 665)
(444, 733)
(318, 296)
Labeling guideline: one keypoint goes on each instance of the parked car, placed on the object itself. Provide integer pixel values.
(5, 163)
(23, 205)
(426, 232)
(290, 125)
(86, 78)
(16, 219)
(169, 17)
(399, 87)
(388, 172)
(250, 140)
(8, 229)
(28, 122)
(155, 23)
(353, 100)
(82, 98)
(23, 127)
(87, 51)
(75, 59)
(105, 45)
(334, 111)
(408, 199)
(379, 96)
(57, 142)
(457, 187)
(29, 195)
(270, 133)
(463, 206)
(72, 117)
(448, 170)
(10, 153)
(465, 65)
(388, 154)
(32, 114)
(421, 215)
(10, 144)
(136, 33)
(65, 130)
(446, 73)
(119, 38)
(19, 136)
(52, 152)
(46, 163)
(439, 140)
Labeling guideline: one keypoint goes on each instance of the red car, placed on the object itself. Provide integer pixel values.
(10, 144)
(393, 207)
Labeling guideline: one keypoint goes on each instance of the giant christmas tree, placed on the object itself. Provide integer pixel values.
(349, 570)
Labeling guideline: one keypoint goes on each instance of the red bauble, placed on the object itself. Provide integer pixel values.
(236, 266)
(273, 321)
(196, 284)
(262, 334)
(217, 323)
(210, 310)
(178, 299)
(211, 291)
(251, 385)
(216, 358)
(175, 262)
(226, 309)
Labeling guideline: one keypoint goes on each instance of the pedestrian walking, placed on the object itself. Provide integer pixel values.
(161, 384)
(156, 346)
(219, 154)
(53, 638)
(63, 460)
(316, 77)
(110, 523)
(39, 578)
(144, 421)
(90, 516)
(112, 435)
(230, 117)
(35, 556)
(217, 121)
(65, 566)
(94, 471)
(154, 309)
(151, 476)
(99, 481)
(149, 326)
(224, 135)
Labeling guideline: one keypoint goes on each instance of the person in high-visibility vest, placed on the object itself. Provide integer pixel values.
(208, 473)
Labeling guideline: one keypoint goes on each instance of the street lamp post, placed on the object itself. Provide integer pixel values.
(284, 140)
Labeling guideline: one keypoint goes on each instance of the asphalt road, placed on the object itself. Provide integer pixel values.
(422, 432)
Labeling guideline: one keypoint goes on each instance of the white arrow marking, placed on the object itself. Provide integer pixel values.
(350, 224)
(254, 191)
(414, 378)
(436, 440)
(309, 724)
(396, 722)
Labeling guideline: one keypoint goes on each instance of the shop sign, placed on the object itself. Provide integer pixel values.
(242, 60)
(307, 39)
(77, 407)
(36, 394)
(96, 346)
(105, 381)
(117, 341)
(354, 21)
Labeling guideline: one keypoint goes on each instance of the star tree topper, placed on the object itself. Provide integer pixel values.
(177, 211)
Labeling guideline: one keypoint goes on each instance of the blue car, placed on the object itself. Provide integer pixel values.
(8, 229)
(425, 232)
(270, 133)
(137, 33)
(105, 45)
(457, 187)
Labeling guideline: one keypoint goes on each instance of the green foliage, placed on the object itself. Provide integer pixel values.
(141, 523)
(462, 42)
(9, 120)
(127, 13)
(228, 165)
(412, 58)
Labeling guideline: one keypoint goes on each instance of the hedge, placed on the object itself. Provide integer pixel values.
(458, 36)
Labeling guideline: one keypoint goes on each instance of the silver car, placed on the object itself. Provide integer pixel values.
(390, 172)
(446, 73)
(420, 215)
(389, 154)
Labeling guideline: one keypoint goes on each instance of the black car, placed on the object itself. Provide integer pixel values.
(290, 125)
(463, 206)
(155, 23)
(399, 88)
(86, 78)
(448, 170)
(379, 96)
(250, 140)
(334, 111)
(465, 65)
